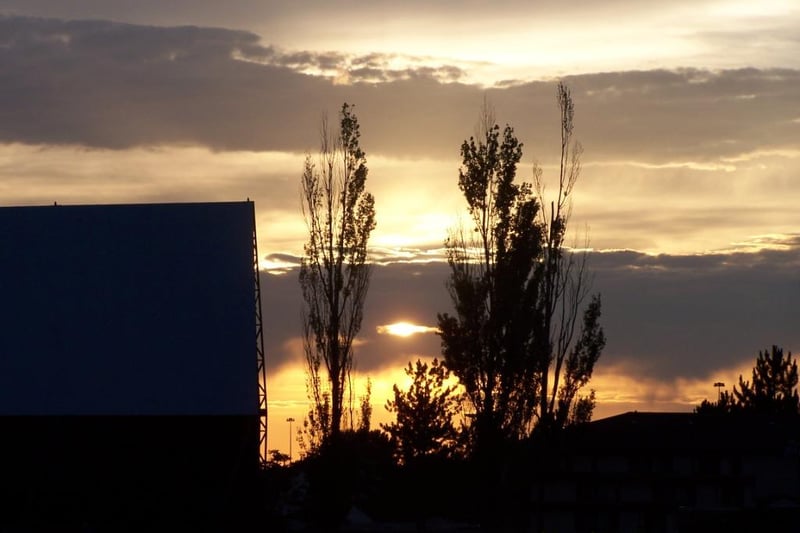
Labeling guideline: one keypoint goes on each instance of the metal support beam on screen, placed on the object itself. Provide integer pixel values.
(262, 370)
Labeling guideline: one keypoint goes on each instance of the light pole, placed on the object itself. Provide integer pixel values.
(290, 420)
(719, 385)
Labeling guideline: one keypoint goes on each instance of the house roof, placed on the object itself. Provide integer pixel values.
(685, 431)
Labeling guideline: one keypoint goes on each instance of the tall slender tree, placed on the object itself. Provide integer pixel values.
(565, 285)
(334, 274)
(515, 341)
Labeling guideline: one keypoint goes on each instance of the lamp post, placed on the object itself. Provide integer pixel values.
(719, 385)
(290, 420)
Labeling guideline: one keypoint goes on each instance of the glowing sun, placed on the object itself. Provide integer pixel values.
(404, 329)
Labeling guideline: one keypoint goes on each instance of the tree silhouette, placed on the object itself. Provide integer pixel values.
(565, 285)
(517, 292)
(725, 404)
(334, 274)
(365, 408)
(424, 413)
(774, 384)
(277, 459)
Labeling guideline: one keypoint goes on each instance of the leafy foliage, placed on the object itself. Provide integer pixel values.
(517, 292)
(487, 344)
(772, 391)
(365, 408)
(773, 388)
(578, 369)
(350, 470)
(564, 287)
(582, 409)
(334, 274)
(315, 428)
(424, 413)
(277, 459)
(725, 404)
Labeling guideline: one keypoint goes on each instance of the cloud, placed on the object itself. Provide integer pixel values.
(341, 68)
(284, 258)
(409, 292)
(687, 117)
(675, 324)
(112, 85)
(617, 390)
(418, 201)
(666, 317)
(671, 317)
(501, 40)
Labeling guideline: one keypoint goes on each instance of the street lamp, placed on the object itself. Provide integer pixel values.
(290, 420)
(719, 385)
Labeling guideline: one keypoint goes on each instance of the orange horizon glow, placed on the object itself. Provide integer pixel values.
(618, 391)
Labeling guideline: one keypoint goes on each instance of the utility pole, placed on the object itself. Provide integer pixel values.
(290, 420)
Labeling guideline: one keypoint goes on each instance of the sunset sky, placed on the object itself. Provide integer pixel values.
(688, 112)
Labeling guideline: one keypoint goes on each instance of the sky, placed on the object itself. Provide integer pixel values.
(688, 113)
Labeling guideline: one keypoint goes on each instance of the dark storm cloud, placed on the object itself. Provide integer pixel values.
(281, 304)
(686, 316)
(111, 85)
(114, 85)
(665, 316)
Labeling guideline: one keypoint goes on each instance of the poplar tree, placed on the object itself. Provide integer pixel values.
(523, 341)
(334, 273)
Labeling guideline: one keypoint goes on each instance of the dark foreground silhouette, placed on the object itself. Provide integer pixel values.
(632, 472)
(132, 473)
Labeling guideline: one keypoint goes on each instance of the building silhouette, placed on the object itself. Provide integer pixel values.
(129, 372)
(670, 472)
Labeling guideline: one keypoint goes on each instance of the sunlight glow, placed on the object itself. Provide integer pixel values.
(533, 41)
(404, 329)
